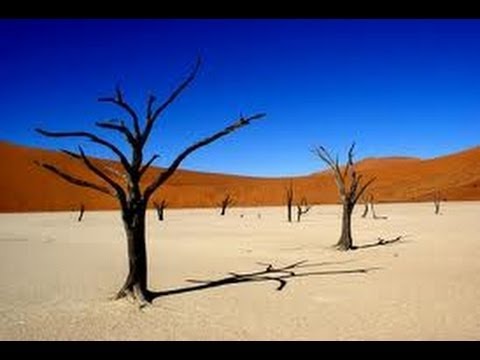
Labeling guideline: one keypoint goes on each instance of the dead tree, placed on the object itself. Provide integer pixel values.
(374, 214)
(302, 208)
(132, 197)
(436, 202)
(225, 203)
(365, 210)
(160, 208)
(289, 198)
(350, 190)
(82, 210)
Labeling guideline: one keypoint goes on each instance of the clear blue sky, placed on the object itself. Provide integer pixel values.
(396, 87)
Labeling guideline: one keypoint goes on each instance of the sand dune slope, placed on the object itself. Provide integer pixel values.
(26, 187)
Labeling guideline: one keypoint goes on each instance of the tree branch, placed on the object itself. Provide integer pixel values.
(145, 167)
(363, 188)
(118, 189)
(153, 114)
(120, 128)
(118, 100)
(72, 179)
(164, 176)
(349, 160)
(93, 138)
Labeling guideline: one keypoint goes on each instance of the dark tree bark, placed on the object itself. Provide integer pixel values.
(350, 190)
(225, 203)
(436, 202)
(302, 208)
(365, 210)
(82, 211)
(160, 209)
(289, 199)
(124, 184)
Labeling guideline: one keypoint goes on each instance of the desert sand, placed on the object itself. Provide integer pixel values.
(57, 276)
(454, 177)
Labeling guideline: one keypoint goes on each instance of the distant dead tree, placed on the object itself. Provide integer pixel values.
(365, 203)
(350, 190)
(131, 196)
(372, 205)
(160, 208)
(82, 211)
(225, 203)
(436, 202)
(302, 208)
(289, 199)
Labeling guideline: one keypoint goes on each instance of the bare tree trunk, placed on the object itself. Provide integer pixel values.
(345, 242)
(302, 209)
(160, 209)
(374, 214)
(82, 210)
(289, 198)
(365, 211)
(226, 202)
(136, 281)
(436, 202)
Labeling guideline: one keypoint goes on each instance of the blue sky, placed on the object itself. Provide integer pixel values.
(396, 87)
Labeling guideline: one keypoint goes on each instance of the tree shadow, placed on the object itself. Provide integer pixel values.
(380, 242)
(279, 275)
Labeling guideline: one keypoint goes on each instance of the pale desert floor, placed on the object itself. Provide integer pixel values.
(57, 275)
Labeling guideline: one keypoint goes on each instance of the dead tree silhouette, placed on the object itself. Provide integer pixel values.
(302, 208)
(225, 203)
(436, 202)
(160, 208)
(375, 216)
(365, 210)
(131, 196)
(270, 273)
(82, 211)
(350, 190)
(289, 199)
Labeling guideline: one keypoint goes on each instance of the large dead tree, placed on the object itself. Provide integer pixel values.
(350, 189)
(225, 203)
(160, 208)
(302, 208)
(289, 199)
(133, 197)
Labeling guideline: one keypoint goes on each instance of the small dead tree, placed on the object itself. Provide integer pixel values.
(302, 208)
(289, 199)
(82, 211)
(436, 202)
(350, 189)
(133, 197)
(225, 203)
(375, 216)
(365, 210)
(160, 208)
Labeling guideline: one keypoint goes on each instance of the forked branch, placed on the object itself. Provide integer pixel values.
(118, 100)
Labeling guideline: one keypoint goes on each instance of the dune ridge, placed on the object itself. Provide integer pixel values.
(26, 188)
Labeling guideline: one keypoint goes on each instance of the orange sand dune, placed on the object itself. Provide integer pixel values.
(26, 187)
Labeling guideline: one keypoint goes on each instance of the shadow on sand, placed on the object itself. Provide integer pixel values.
(271, 273)
(380, 242)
